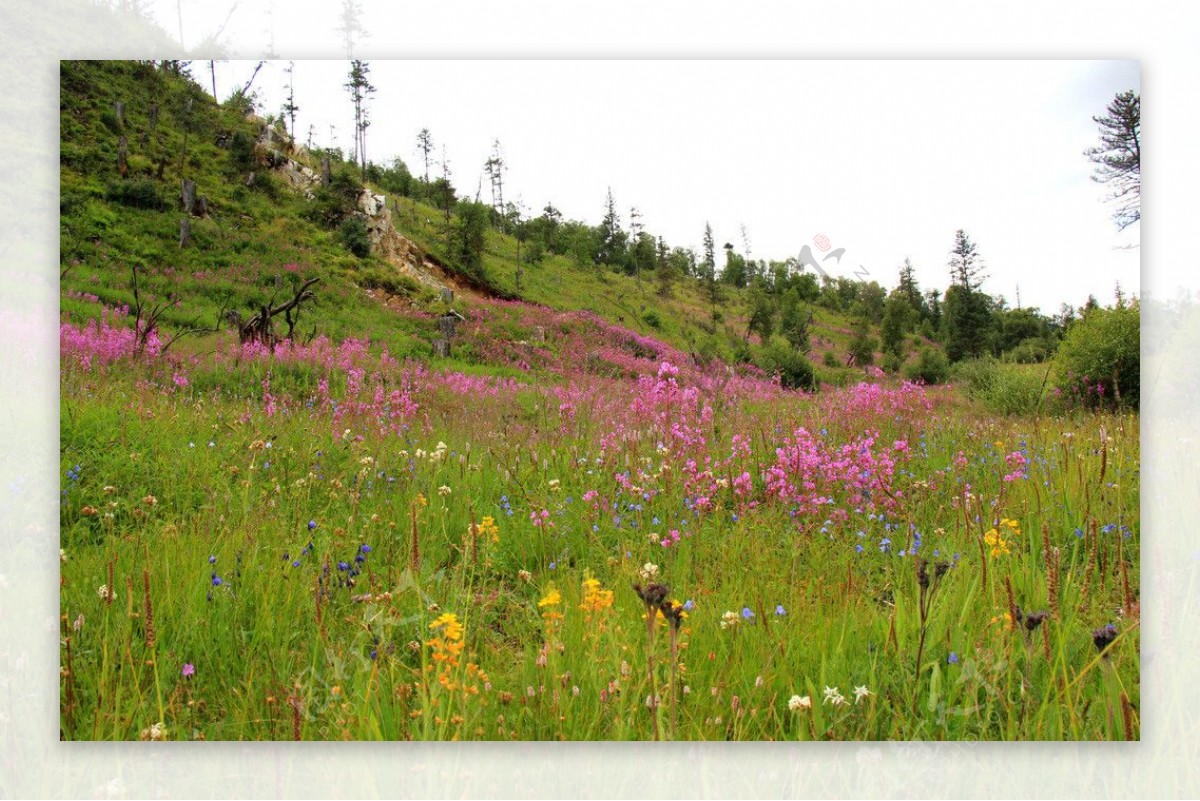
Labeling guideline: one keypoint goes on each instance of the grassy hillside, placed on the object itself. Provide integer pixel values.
(261, 240)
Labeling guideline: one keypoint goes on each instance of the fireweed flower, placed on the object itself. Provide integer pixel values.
(189, 670)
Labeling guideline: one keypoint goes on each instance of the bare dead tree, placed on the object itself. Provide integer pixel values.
(260, 327)
(145, 322)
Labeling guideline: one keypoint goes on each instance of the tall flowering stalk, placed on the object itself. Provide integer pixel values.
(653, 596)
(927, 585)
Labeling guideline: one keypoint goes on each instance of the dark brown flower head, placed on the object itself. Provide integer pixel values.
(673, 611)
(922, 574)
(653, 594)
(940, 569)
(1036, 619)
(1104, 637)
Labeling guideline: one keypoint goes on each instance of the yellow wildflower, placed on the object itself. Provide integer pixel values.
(488, 528)
(996, 541)
(594, 598)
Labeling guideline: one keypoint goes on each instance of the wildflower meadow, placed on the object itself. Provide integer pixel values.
(597, 538)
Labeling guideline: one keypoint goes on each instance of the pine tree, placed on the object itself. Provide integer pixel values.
(1118, 158)
(425, 146)
(289, 105)
(360, 87)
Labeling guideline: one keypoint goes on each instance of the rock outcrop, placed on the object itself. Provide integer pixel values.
(401, 252)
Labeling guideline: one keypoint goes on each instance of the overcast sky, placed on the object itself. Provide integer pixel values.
(887, 159)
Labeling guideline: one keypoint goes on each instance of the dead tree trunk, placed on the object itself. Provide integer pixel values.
(187, 195)
(123, 156)
(260, 328)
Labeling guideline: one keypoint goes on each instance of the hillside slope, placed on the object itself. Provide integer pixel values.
(274, 216)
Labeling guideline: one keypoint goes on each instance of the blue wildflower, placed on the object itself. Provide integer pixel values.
(746, 613)
(952, 659)
(779, 610)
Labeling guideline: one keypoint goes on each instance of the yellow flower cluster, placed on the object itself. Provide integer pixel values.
(994, 538)
(594, 598)
(488, 528)
(548, 603)
(447, 645)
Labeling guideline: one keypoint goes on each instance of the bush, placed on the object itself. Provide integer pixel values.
(353, 233)
(829, 360)
(140, 193)
(862, 348)
(1008, 389)
(892, 362)
(794, 371)
(652, 319)
(392, 283)
(241, 151)
(1098, 362)
(1030, 351)
(931, 367)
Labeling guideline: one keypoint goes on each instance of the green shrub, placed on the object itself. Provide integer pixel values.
(139, 193)
(1030, 351)
(931, 367)
(353, 233)
(393, 283)
(829, 360)
(1098, 362)
(1003, 388)
(794, 371)
(241, 151)
(652, 319)
(892, 362)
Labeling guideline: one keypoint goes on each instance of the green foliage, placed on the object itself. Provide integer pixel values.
(762, 311)
(1030, 351)
(652, 319)
(1099, 360)
(470, 236)
(389, 281)
(794, 320)
(863, 345)
(897, 321)
(353, 234)
(965, 321)
(892, 363)
(241, 151)
(793, 369)
(1003, 388)
(138, 193)
(830, 360)
(931, 367)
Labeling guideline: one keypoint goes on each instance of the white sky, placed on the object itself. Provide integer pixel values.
(886, 158)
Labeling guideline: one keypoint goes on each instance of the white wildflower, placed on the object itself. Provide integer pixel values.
(833, 696)
(796, 703)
